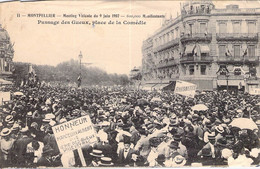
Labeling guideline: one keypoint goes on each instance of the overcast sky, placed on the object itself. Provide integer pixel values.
(116, 48)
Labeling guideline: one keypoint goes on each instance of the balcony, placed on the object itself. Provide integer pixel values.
(230, 77)
(196, 37)
(168, 63)
(191, 59)
(237, 36)
(247, 59)
(167, 45)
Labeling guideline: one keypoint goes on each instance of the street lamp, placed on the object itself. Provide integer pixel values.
(79, 78)
(227, 75)
(80, 57)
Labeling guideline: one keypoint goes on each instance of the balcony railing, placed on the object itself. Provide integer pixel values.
(168, 63)
(167, 45)
(237, 36)
(196, 59)
(196, 37)
(230, 77)
(238, 59)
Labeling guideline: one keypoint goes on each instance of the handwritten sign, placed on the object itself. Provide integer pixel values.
(75, 134)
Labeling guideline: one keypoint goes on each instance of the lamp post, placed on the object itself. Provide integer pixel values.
(80, 57)
(79, 78)
(227, 75)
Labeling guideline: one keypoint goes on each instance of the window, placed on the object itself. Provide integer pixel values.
(251, 50)
(251, 27)
(222, 50)
(222, 27)
(203, 28)
(237, 71)
(236, 27)
(203, 69)
(191, 69)
(177, 32)
(236, 51)
(190, 29)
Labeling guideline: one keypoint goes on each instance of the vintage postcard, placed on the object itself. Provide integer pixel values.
(129, 84)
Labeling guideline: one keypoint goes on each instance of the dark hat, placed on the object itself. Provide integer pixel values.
(206, 152)
(154, 141)
(105, 161)
(96, 153)
(127, 139)
(190, 135)
(174, 145)
(160, 158)
(47, 149)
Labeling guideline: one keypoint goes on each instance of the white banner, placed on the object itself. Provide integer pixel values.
(75, 134)
(254, 91)
(185, 88)
(4, 97)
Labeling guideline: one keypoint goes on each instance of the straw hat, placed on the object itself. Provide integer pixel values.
(105, 161)
(96, 153)
(179, 161)
(5, 132)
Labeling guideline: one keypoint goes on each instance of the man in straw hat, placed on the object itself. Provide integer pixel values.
(6, 145)
(95, 155)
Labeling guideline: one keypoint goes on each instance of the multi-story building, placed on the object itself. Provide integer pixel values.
(213, 48)
(6, 55)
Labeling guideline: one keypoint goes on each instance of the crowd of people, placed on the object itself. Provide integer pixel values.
(133, 127)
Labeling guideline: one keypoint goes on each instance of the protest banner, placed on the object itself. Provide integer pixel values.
(4, 97)
(75, 134)
(185, 88)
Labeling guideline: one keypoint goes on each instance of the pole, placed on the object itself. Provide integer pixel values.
(227, 82)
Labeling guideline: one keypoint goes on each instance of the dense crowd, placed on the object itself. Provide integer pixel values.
(134, 128)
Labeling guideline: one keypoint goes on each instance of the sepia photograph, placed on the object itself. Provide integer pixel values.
(162, 84)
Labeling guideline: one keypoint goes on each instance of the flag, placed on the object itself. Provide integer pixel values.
(194, 51)
(245, 53)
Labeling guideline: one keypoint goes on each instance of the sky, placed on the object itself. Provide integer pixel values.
(113, 48)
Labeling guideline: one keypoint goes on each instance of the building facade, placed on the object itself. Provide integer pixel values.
(213, 48)
(6, 55)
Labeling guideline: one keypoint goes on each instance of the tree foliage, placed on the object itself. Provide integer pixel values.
(69, 72)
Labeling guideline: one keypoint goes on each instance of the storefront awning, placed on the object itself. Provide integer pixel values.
(160, 86)
(204, 49)
(189, 49)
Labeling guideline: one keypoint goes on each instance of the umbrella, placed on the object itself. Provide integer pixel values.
(200, 107)
(18, 93)
(156, 99)
(244, 123)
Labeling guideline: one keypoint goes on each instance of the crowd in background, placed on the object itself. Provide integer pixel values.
(134, 128)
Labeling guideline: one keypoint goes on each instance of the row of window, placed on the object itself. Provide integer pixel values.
(236, 27)
(237, 51)
(203, 70)
(189, 28)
